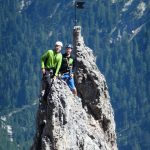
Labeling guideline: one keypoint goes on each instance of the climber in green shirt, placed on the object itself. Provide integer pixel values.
(50, 64)
(52, 59)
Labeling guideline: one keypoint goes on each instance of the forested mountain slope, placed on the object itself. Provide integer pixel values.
(117, 31)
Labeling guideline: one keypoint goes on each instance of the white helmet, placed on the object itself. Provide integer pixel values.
(59, 43)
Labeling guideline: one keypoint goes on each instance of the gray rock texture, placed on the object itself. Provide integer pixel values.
(66, 122)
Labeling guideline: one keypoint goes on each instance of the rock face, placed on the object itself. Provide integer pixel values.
(66, 122)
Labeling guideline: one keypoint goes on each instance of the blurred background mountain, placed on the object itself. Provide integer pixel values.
(117, 31)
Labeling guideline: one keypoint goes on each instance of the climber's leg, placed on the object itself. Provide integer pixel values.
(47, 80)
(71, 85)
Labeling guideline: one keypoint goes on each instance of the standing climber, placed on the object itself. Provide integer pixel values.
(50, 64)
(67, 68)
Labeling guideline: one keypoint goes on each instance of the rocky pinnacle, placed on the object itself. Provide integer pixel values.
(66, 122)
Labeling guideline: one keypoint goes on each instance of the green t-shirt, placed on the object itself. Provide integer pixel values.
(51, 59)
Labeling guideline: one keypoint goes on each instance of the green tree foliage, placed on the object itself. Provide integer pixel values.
(25, 34)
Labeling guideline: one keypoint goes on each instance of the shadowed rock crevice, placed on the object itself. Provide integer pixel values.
(73, 123)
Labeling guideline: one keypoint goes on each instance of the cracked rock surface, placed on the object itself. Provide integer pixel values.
(66, 122)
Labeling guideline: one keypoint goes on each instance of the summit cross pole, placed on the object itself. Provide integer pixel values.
(79, 5)
(75, 13)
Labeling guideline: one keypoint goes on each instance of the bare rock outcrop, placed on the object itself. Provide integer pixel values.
(66, 122)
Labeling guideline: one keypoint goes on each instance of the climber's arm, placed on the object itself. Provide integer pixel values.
(58, 65)
(43, 59)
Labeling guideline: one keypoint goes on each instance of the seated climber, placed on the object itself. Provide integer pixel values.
(50, 64)
(67, 68)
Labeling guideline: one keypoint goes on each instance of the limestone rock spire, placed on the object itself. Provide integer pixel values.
(66, 122)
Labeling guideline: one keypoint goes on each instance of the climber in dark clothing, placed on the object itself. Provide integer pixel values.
(67, 68)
